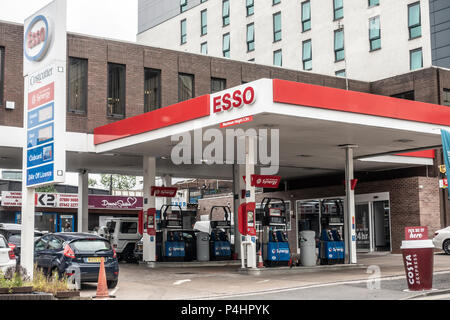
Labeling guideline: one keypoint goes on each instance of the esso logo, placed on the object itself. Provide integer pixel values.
(235, 100)
(37, 38)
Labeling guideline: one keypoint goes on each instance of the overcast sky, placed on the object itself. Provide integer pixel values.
(115, 19)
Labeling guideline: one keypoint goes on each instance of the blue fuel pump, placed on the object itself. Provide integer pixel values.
(220, 245)
(173, 243)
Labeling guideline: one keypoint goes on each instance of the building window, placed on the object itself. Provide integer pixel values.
(250, 37)
(204, 22)
(416, 59)
(183, 32)
(307, 55)
(152, 90)
(218, 85)
(414, 21)
(339, 52)
(274, 2)
(116, 90)
(186, 88)
(226, 12)
(341, 73)
(2, 72)
(250, 4)
(203, 1)
(306, 16)
(183, 5)
(447, 97)
(373, 3)
(278, 58)
(338, 9)
(204, 48)
(375, 33)
(226, 45)
(277, 27)
(77, 91)
(409, 95)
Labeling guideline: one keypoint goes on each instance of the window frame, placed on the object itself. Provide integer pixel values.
(180, 74)
(446, 97)
(373, 5)
(249, 42)
(411, 60)
(275, 32)
(204, 27)
(249, 7)
(218, 79)
(303, 54)
(336, 50)
(410, 27)
(183, 36)
(124, 91)
(335, 10)
(274, 55)
(341, 71)
(275, 2)
(372, 40)
(2, 74)
(158, 103)
(225, 52)
(201, 47)
(85, 99)
(225, 18)
(183, 7)
(308, 20)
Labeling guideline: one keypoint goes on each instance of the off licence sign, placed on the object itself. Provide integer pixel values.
(416, 233)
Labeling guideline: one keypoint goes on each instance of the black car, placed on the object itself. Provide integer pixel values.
(61, 251)
(14, 242)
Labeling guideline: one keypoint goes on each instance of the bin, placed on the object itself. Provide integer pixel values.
(308, 256)
(203, 247)
(418, 258)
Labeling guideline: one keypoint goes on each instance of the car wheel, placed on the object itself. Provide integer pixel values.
(112, 284)
(446, 246)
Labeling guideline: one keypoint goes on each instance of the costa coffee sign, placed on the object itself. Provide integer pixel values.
(416, 233)
(164, 192)
(234, 100)
(38, 36)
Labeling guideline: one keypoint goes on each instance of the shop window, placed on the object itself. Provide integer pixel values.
(408, 95)
(2, 73)
(204, 48)
(116, 90)
(414, 21)
(185, 87)
(339, 51)
(375, 33)
(218, 85)
(226, 45)
(225, 12)
(416, 59)
(278, 58)
(447, 97)
(307, 55)
(250, 5)
(277, 27)
(77, 91)
(250, 37)
(183, 31)
(338, 9)
(306, 16)
(152, 90)
(204, 22)
(128, 227)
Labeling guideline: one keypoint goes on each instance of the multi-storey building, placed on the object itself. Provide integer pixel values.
(366, 40)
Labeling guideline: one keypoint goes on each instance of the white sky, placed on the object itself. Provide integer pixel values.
(116, 19)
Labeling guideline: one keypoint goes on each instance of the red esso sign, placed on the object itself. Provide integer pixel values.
(234, 100)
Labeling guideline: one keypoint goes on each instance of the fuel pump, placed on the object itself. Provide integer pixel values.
(247, 228)
(173, 244)
(220, 245)
(275, 244)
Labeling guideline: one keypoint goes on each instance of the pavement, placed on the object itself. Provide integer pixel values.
(378, 276)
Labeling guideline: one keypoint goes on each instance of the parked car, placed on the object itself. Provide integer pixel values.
(7, 257)
(15, 242)
(123, 234)
(442, 240)
(61, 251)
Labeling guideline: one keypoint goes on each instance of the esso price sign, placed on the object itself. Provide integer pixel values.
(37, 38)
(235, 100)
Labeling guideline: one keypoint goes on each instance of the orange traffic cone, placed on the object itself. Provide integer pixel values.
(102, 287)
(260, 260)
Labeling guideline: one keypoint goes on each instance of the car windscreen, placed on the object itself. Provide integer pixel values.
(3, 243)
(91, 245)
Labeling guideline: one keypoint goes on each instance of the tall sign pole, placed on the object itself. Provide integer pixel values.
(44, 71)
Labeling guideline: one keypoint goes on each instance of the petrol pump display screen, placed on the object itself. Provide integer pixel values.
(277, 220)
(222, 223)
(275, 212)
(173, 223)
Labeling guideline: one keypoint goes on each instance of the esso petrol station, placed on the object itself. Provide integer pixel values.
(343, 129)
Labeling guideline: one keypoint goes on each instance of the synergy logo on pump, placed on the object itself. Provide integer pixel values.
(37, 38)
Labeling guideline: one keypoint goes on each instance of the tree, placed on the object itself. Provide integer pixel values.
(47, 189)
(92, 183)
(119, 182)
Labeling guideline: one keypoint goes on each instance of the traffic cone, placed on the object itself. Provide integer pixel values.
(260, 260)
(102, 287)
